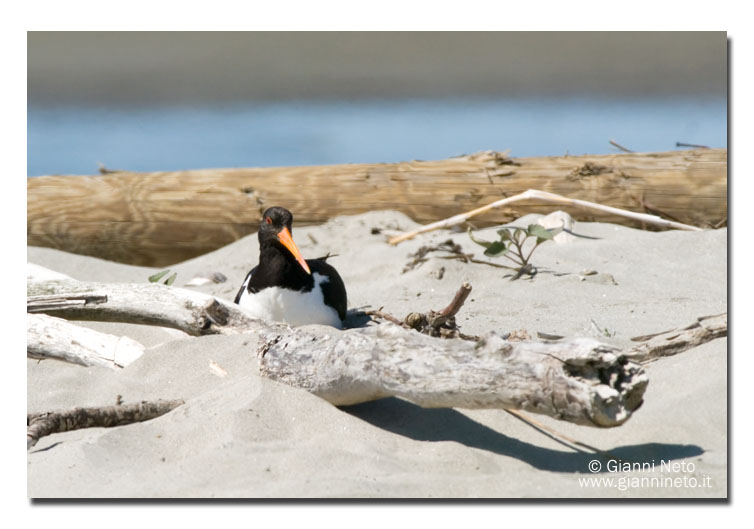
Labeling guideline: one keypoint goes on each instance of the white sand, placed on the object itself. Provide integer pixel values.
(244, 436)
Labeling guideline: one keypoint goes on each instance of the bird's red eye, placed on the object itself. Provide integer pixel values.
(268, 220)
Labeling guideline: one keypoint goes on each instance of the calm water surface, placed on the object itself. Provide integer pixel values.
(73, 140)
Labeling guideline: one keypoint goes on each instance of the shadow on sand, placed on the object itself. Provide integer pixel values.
(444, 424)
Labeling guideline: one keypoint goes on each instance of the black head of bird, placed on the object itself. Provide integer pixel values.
(275, 233)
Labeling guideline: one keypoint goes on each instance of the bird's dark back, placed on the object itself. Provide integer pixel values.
(333, 290)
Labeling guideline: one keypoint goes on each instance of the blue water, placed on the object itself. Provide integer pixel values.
(73, 140)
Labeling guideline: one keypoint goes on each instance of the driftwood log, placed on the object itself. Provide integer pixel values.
(141, 218)
(53, 338)
(580, 381)
(39, 425)
(194, 313)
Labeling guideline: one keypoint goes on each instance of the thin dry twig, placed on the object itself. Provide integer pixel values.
(455, 252)
(618, 145)
(549, 198)
(385, 316)
(692, 145)
(559, 437)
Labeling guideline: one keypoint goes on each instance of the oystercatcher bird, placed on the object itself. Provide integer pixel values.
(287, 288)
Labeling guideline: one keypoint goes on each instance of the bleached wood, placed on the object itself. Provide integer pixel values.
(580, 380)
(53, 338)
(144, 303)
(548, 198)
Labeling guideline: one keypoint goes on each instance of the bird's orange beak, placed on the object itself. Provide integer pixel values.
(286, 238)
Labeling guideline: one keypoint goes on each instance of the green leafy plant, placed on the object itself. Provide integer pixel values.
(511, 245)
(159, 275)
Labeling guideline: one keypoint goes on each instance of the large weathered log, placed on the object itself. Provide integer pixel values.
(53, 338)
(141, 218)
(39, 425)
(145, 303)
(580, 380)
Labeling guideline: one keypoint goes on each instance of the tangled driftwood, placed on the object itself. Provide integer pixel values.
(576, 380)
(581, 381)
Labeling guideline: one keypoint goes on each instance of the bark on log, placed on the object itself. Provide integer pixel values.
(141, 218)
(56, 339)
(580, 381)
(42, 424)
(144, 303)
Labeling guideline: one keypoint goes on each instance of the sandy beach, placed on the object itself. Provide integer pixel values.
(249, 437)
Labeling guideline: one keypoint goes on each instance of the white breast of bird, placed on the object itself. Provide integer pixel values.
(292, 307)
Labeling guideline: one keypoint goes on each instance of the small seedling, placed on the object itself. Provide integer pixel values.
(511, 246)
(159, 275)
(603, 331)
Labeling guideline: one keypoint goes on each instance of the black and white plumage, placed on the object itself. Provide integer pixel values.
(287, 288)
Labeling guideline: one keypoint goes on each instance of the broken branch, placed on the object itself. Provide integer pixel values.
(145, 303)
(676, 341)
(53, 338)
(41, 424)
(458, 301)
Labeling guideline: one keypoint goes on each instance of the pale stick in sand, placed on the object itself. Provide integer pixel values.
(549, 198)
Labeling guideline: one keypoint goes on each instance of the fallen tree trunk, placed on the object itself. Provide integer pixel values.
(580, 381)
(194, 313)
(56, 339)
(141, 218)
(39, 425)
